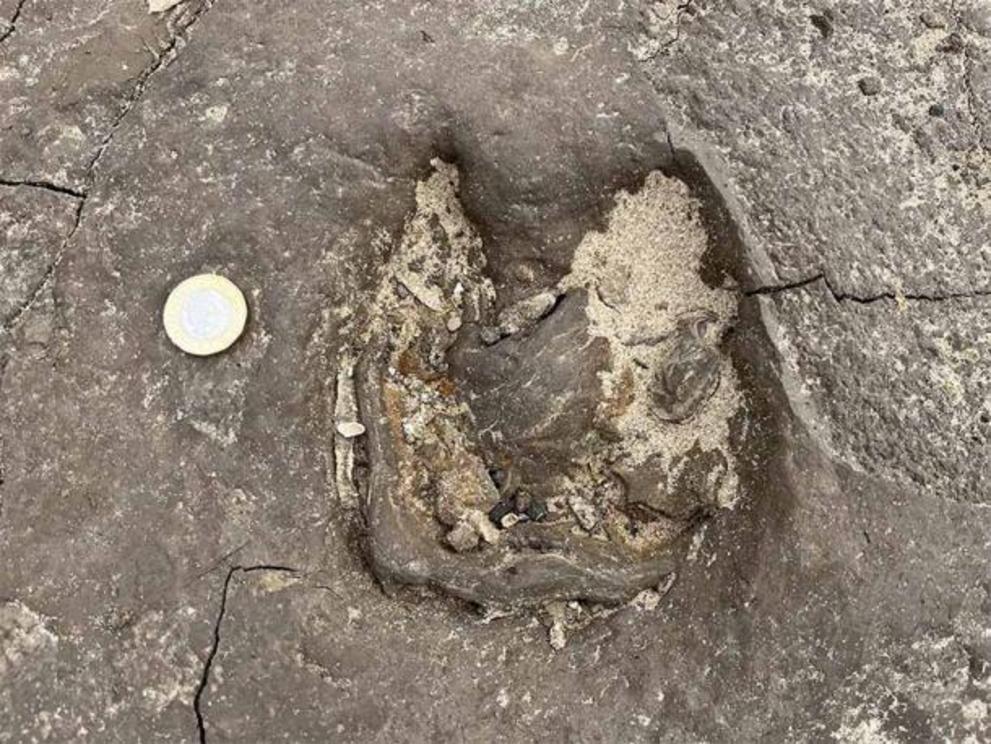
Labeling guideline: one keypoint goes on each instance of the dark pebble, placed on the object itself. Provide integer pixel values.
(521, 502)
(498, 477)
(952, 44)
(870, 86)
(537, 510)
(823, 24)
(688, 374)
(500, 510)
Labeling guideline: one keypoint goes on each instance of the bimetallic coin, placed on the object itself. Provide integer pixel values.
(205, 314)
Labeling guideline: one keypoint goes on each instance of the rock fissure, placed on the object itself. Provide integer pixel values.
(184, 25)
(215, 646)
(47, 186)
(662, 48)
(10, 323)
(12, 22)
(893, 296)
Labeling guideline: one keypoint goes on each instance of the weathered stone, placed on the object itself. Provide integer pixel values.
(687, 371)
(462, 537)
(696, 483)
(534, 395)
(34, 223)
(647, 484)
(584, 512)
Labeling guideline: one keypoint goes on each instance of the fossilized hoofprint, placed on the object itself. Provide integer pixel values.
(565, 446)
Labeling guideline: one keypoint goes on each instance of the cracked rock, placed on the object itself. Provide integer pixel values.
(34, 223)
(843, 575)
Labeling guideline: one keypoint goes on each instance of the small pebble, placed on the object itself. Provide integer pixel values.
(160, 6)
(932, 20)
(526, 312)
(937, 109)
(350, 429)
(870, 86)
(952, 44)
(510, 520)
(823, 24)
(537, 510)
(584, 512)
(463, 538)
(454, 323)
(500, 510)
(490, 335)
(485, 529)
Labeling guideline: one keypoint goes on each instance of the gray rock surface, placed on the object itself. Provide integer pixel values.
(177, 561)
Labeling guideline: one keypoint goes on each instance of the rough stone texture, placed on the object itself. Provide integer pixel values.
(34, 224)
(69, 72)
(903, 389)
(151, 504)
(874, 192)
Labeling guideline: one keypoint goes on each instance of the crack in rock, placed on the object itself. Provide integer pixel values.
(215, 646)
(653, 47)
(10, 323)
(46, 185)
(12, 23)
(184, 24)
(894, 296)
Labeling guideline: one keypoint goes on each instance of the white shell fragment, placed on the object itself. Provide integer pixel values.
(160, 6)
(205, 314)
(350, 429)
